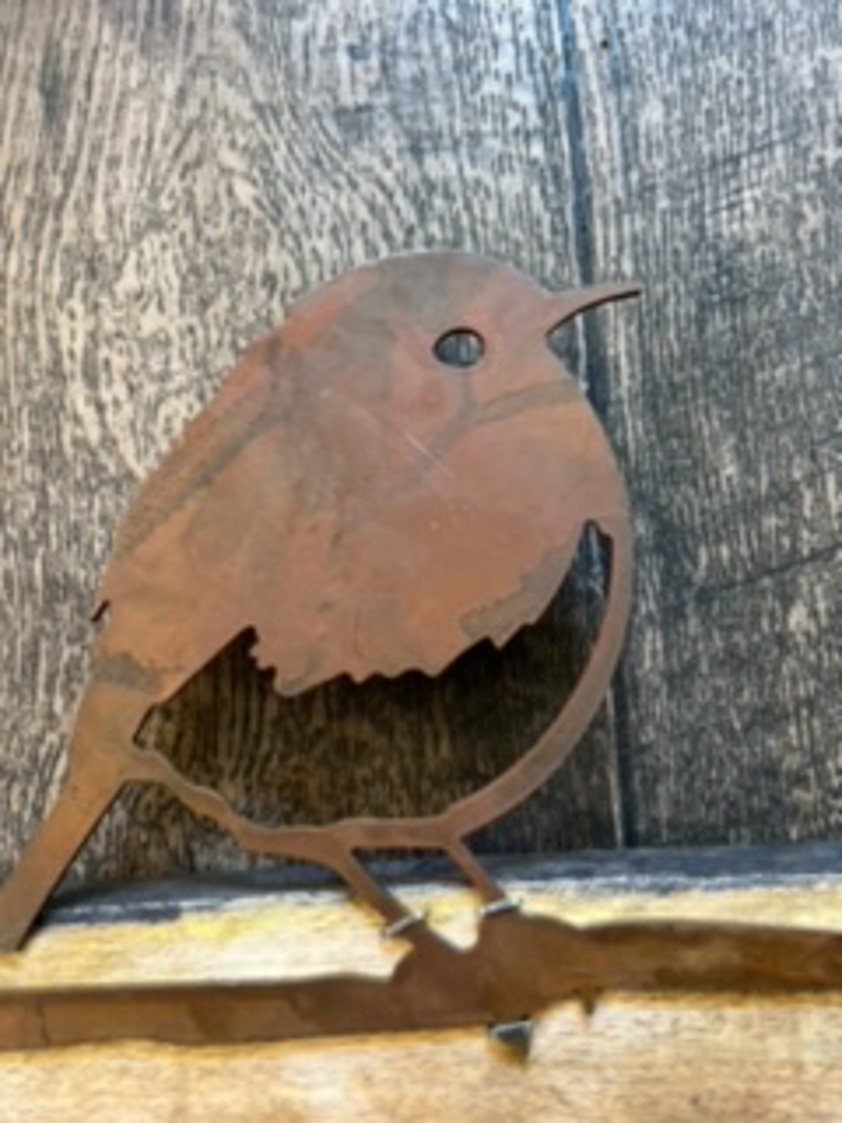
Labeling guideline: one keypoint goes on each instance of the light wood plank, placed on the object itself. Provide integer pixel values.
(686, 1057)
(686, 1060)
(171, 176)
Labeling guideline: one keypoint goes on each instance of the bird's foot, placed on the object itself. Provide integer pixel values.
(514, 1037)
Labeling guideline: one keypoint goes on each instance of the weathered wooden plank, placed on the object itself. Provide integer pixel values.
(170, 178)
(686, 1060)
(710, 150)
(635, 1058)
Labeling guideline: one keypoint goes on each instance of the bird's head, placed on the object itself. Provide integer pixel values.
(460, 323)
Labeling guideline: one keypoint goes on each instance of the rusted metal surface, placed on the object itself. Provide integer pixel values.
(363, 504)
(519, 966)
(402, 470)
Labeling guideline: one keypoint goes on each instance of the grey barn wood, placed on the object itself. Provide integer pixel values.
(173, 175)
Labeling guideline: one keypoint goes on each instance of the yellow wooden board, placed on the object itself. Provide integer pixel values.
(683, 1057)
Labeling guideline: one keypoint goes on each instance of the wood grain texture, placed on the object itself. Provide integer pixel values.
(711, 136)
(688, 1060)
(636, 1058)
(173, 175)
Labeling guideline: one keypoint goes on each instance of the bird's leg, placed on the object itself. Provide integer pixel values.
(400, 921)
(494, 897)
(153, 768)
(97, 770)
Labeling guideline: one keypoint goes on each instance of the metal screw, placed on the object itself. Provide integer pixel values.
(501, 905)
(398, 927)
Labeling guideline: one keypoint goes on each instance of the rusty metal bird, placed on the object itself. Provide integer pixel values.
(364, 506)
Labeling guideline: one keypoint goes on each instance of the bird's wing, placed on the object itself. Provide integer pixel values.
(470, 546)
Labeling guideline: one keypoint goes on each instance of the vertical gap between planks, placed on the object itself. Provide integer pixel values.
(595, 379)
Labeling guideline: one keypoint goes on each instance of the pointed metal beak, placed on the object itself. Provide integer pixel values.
(561, 306)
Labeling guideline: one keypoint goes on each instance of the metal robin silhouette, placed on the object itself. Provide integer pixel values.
(364, 506)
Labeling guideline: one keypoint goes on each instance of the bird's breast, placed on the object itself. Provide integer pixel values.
(354, 542)
(467, 541)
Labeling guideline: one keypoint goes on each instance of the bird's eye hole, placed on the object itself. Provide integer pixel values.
(460, 348)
